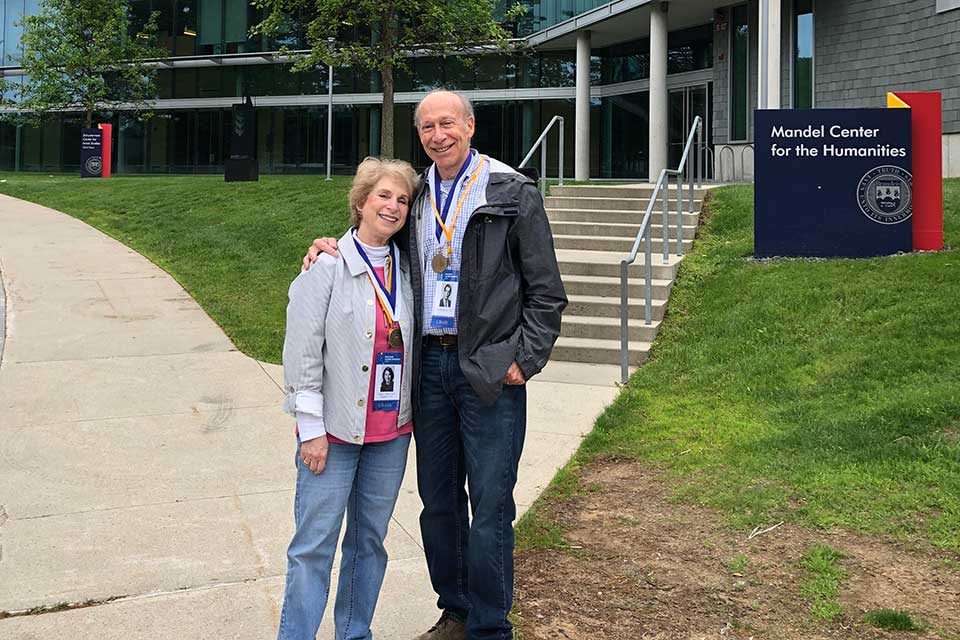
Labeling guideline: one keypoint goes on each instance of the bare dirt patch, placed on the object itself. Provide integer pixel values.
(639, 566)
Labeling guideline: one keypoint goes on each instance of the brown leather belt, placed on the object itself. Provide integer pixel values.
(444, 341)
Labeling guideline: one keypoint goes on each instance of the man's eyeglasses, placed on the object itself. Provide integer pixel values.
(445, 125)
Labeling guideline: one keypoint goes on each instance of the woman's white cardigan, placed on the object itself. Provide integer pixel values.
(328, 350)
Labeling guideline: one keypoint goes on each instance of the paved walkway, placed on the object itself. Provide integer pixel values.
(145, 467)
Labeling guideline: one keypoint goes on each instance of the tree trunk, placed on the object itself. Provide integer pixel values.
(89, 119)
(388, 38)
(386, 112)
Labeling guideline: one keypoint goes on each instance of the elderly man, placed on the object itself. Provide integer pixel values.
(478, 229)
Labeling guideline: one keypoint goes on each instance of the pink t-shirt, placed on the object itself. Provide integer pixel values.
(381, 425)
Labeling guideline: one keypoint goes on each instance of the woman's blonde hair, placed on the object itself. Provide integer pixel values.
(369, 173)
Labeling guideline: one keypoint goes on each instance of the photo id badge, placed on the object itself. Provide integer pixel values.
(444, 314)
(386, 385)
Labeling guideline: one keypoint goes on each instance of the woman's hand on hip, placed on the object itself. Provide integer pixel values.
(313, 453)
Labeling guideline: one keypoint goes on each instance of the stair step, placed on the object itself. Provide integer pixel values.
(616, 229)
(610, 286)
(608, 204)
(607, 263)
(601, 328)
(594, 228)
(622, 245)
(598, 351)
(609, 307)
(620, 191)
(627, 216)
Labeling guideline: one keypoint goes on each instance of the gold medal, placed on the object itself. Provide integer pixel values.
(395, 338)
(439, 263)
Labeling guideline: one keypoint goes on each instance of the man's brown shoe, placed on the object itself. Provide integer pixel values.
(447, 628)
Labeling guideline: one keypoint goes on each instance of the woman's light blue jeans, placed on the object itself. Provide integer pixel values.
(364, 482)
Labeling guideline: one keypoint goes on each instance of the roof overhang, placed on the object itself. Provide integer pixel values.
(622, 21)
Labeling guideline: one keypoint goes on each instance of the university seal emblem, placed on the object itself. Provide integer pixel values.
(885, 194)
(94, 165)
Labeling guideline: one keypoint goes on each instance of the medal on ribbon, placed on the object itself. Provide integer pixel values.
(395, 337)
(386, 291)
(442, 259)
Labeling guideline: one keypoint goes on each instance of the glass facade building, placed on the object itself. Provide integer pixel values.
(723, 59)
(213, 64)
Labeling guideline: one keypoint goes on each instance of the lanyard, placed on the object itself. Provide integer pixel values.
(386, 292)
(442, 218)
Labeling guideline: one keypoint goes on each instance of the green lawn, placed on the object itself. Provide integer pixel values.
(820, 392)
(234, 246)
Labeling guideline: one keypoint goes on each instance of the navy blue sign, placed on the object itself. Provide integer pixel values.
(242, 164)
(832, 182)
(91, 153)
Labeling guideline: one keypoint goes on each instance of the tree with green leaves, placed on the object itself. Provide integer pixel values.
(392, 30)
(82, 55)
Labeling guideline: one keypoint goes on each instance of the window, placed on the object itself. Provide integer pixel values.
(803, 54)
(739, 71)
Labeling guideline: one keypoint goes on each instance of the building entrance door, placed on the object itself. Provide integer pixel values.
(684, 105)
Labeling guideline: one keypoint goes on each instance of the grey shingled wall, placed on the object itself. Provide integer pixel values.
(863, 48)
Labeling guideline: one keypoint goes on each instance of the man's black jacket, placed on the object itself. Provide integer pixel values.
(510, 295)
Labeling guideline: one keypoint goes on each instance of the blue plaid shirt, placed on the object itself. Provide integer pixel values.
(428, 225)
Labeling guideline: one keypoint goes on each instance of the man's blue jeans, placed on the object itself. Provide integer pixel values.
(364, 481)
(459, 439)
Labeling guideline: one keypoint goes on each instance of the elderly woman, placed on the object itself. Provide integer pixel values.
(348, 327)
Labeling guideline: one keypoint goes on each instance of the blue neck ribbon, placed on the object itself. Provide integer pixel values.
(391, 293)
(445, 209)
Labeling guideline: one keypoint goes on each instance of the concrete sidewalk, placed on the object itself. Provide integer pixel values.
(146, 470)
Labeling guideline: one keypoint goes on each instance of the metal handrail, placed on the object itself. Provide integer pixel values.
(662, 187)
(543, 153)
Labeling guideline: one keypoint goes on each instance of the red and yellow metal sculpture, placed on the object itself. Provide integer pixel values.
(926, 119)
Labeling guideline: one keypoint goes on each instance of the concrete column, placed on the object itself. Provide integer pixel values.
(659, 133)
(581, 152)
(768, 95)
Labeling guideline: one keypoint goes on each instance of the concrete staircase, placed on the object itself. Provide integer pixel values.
(594, 227)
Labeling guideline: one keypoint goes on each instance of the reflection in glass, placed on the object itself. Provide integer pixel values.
(185, 28)
(558, 69)
(739, 62)
(139, 14)
(12, 14)
(182, 137)
(185, 82)
(165, 23)
(69, 152)
(541, 14)
(132, 146)
(803, 54)
(687, 50)
(683, 106)
(624, 135)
